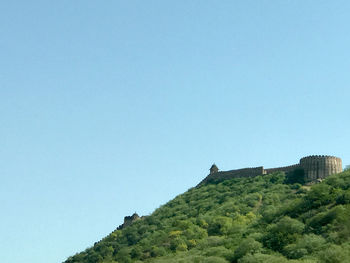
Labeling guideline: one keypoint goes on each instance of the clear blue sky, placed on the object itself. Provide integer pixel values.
(112, 107)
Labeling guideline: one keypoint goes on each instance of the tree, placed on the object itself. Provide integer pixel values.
(247, 246)
(285, 232)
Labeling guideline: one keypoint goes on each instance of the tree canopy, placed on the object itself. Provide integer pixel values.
(269, 218)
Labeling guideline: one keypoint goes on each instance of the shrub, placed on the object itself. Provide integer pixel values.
(334, 254)
(307, 244)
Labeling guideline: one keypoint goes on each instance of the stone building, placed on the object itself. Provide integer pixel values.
(213, 169)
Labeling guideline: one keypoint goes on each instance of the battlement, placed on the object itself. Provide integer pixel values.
(318, 157)
(315, 167)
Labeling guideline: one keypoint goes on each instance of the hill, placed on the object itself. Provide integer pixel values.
(267, 218)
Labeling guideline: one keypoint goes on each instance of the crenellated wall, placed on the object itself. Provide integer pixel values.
(315, 167)
(285, 169)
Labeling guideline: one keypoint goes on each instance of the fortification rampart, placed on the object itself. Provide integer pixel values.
(315, 167)
(244, 172)
(285, 169)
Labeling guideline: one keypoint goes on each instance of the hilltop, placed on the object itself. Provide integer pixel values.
(268, 218)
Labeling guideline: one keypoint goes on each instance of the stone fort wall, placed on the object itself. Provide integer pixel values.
(285, 169)
(315, 167)
(224, 175)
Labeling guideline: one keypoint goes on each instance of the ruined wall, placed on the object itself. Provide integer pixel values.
(320, 166)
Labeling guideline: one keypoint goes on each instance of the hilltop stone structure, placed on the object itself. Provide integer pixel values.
(314, 167)
(128, 220)
(213, 169)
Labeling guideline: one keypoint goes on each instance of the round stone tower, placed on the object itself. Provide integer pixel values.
(320, 166)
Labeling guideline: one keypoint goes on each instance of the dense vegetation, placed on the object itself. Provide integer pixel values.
(261, 219)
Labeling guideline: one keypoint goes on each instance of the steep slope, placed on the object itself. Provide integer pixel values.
(261, 219)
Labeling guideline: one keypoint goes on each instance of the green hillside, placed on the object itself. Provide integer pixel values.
(261, 219)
